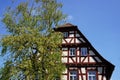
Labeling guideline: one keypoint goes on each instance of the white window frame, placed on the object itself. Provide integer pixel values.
(84, 51)
(65, 34)
(73, 75)
(92, 75)
(72, 52)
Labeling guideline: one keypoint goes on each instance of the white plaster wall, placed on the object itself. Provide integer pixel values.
(63, 41)
(78, 41)
(64, 53)
(74, 59)
(83, 70)
(68, 40)
(71, 35)
(91, 68)
(82, 59)
(99, 77)
(71, 60)
(104, 78)
(80, 77)
(72, 41)
(84, 77)
(78, 59)
(86, 59)
(63, 77)
(65, 48)
(91, 59)
(78, 53)
(64, 59)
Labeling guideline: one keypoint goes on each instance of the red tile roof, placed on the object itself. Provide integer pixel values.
(67, 25)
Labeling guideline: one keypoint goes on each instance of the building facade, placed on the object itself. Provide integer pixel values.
(81, 59)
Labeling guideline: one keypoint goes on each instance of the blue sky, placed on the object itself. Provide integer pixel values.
(98, 20)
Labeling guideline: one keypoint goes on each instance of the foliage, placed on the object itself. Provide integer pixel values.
(33, 45)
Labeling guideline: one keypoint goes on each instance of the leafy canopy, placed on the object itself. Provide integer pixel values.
(33, 46)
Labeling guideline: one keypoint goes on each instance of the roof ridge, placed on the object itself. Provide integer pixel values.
(67, 25)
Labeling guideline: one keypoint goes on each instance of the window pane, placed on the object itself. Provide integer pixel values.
(65, 34)
(71, 78)
(92, 75)
(72, 51)
(73, 75)
(90, 78)
(83, 51)
(75, 78)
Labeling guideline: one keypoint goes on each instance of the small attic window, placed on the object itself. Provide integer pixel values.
(65, 34)
(84, 51)
(71, 31)
(72, 52)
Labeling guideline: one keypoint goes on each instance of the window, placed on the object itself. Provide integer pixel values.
(92, 75)
(65, 34)
(84, 51)
(71, 31)
(73, 75)
(72, 51)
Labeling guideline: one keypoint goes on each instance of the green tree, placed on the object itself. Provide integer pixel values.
(5, 71)
(33, 46)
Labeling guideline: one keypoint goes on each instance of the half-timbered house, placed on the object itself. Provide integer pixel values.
(81, 59)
